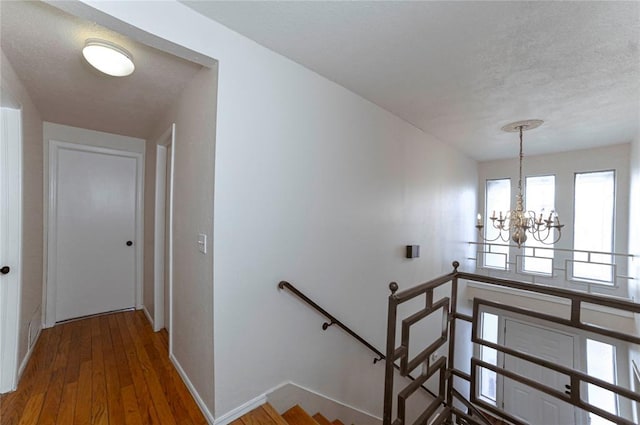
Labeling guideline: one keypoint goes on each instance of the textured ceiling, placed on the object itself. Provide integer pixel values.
(43, 44)
(461, 70)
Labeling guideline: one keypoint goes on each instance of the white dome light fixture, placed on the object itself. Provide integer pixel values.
(108, 58)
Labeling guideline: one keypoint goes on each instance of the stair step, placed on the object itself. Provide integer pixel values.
(263, 415)
(274, 415)
(321, 419)
(297, 416)
(337, 422)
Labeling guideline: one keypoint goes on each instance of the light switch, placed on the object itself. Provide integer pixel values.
(202, 243)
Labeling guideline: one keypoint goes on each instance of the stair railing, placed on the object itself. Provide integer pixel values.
(334, 321)
(445, 367)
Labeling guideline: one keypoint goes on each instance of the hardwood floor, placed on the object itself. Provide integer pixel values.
(108, 370)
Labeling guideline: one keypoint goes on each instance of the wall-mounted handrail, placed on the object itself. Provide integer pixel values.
(334, 321)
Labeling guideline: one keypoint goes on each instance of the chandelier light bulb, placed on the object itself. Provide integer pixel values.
(108, 58)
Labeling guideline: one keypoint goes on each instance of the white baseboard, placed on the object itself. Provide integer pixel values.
(239, 411)
(27, 356)
(149, 318)
(196, 396)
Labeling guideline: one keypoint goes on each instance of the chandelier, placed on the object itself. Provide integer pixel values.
(516, 224)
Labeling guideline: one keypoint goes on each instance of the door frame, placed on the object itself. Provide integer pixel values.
(504, 316)
(52, 237)
(11, 284)
(160, 238)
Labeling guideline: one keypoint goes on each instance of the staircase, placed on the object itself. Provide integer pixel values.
(267, 415)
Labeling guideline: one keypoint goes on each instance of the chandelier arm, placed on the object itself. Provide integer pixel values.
(499, 235)
(537, 235)
(544, 240)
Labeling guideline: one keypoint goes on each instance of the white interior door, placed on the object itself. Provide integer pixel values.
(95, 230)
(10, 244)
(529, 405)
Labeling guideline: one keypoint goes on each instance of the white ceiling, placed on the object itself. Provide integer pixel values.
(461, 70)
(43, 44)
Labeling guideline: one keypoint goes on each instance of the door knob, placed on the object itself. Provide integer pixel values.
(129, 243)
(5, 270)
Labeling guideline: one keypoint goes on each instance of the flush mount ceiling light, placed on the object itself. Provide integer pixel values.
(108, 58)
(515, 224)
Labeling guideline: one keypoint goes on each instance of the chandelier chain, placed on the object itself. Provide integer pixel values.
(521, 157)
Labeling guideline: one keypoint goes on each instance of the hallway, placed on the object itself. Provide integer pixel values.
(109, 369)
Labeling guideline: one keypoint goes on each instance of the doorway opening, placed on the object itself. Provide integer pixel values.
(163, 232)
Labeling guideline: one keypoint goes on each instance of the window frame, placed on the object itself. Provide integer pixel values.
(522, 263)
(487, 223)
(611, 284)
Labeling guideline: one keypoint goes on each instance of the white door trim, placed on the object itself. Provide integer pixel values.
(11, 284)
(51, 283)
(167, 139)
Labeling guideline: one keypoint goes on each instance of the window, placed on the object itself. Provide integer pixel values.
(540, 195)
(601, 364)
(498, 198)
(593, 225)
(488, 377)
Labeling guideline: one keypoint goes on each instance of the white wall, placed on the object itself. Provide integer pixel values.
(194, 114)
(31, 289)
(315, 185)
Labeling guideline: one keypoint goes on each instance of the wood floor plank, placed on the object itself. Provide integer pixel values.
(85, 340)
(53, 394)
(145, 405)
(110, 370)
(82, 412)
(180, 400)
(153, 383)
(32, 410)
(114, 396)
(124, 374)
(99, 413)
(130, 403)
(73, 362)
(68, 403)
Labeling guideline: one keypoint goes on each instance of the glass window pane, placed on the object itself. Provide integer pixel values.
(601, 365)
(488, 377)
(593, 223)
(498, 199)
(540, 193)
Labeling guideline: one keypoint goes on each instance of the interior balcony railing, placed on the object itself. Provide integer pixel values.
(457, 398)
(594, 272)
